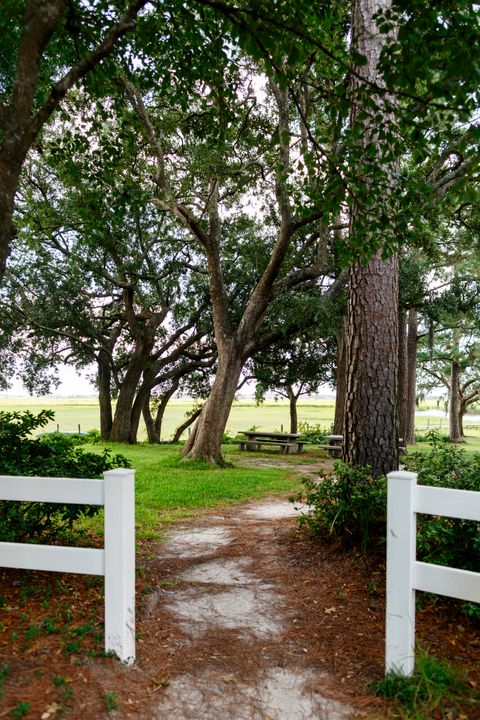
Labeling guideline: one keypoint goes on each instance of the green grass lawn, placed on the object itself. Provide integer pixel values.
(470, 446)
(168, 490)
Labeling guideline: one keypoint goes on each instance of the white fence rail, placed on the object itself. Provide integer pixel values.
(116, 491)
(405, 574)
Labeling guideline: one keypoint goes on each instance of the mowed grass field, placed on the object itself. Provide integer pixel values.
(69, 413)
(270, 416)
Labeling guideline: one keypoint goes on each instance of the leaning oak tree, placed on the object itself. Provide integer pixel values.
(233, 148)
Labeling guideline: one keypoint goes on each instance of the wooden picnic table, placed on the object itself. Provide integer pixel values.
(287, 442)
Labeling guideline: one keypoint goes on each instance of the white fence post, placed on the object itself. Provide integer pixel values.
(120, 563)
(401, 554)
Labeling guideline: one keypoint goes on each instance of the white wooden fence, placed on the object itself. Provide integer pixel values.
(116, 491)
(405, 574)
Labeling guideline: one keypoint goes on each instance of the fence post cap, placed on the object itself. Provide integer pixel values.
(402, 475)
(119, 472)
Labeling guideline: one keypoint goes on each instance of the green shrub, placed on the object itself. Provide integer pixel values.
(53, 455)
(351, 507)
(447, 541)
(84, 438)
(228, 439)
(314, 432)
(347, 504)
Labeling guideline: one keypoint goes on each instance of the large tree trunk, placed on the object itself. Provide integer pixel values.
(402, 375)
(125, 422)
(455, 435)
(341, 384)
(370, 428)
(292, 399)
(104, 394)
(412, 340)
(206, 439)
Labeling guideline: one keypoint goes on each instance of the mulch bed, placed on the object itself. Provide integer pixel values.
(51, 631)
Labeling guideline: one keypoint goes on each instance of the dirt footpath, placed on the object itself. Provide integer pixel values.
(243, 652)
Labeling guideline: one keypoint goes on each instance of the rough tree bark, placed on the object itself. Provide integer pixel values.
(466, 399)
(461, 413)
(402, 374)
(371, 424)
(370, 428)
(144, 336)
(152, 434)
(206, 439)
(412, 340)
(122, 421)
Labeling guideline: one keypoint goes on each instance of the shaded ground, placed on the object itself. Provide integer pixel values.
(239, 617)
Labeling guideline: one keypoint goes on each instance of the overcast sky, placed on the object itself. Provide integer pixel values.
(72, 383)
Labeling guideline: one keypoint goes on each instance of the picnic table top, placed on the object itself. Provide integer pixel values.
(274, 435)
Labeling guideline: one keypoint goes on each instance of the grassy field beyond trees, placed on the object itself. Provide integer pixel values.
(71, 412)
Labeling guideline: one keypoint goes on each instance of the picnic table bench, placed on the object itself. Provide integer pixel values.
(335, 445)
(287, 442)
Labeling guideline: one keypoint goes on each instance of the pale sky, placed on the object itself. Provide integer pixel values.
(73, 383)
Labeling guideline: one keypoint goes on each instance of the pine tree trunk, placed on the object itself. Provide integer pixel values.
(402, 375)
(370, 435)
(292, 398)
(341, 384)
(104, 394)
(412, 340)
(206, 439)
